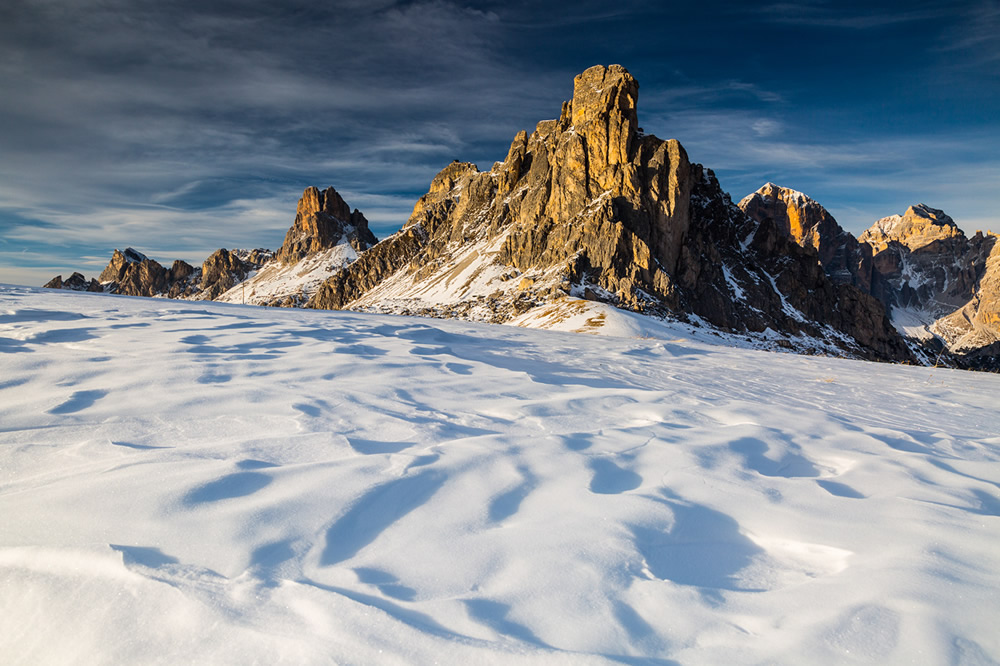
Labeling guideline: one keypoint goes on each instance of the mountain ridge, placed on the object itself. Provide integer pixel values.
(583, 213)
(940, 287)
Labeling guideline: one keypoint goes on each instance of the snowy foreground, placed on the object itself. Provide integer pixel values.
(208, 483)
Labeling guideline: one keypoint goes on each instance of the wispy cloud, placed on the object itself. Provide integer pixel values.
(977, 34)
(858, 177)
(840, 15)
(135, 122)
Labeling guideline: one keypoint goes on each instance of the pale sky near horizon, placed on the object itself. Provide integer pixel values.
(181, 127)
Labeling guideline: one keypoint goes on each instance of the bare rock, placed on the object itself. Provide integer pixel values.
(844, 259)
(916, 228)
(134, 274)
(226, 268)
(76, 282)
(323, 220)
(926, 261)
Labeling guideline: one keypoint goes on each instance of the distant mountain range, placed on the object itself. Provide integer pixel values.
(588, 216)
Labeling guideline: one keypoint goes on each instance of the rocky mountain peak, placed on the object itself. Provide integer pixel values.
(797, 215)
(134, 274)
(133, 256)
(603, 110)
(322, 220)
(810, 225)
(327, 201)
(75, 282)
(119, 262)
(918, 227)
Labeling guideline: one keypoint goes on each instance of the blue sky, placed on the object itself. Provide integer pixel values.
(181, 127)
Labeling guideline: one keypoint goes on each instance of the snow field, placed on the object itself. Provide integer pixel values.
(225, 484)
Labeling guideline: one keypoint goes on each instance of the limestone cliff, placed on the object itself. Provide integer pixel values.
(589, 206)
(322, 221)
(844, 259)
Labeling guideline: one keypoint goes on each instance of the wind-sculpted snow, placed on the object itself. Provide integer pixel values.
(209, 483)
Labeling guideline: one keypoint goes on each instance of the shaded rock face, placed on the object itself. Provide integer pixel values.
(323, 220)
(75, 282)
(844, 259)
(134, 274)
(588, 205)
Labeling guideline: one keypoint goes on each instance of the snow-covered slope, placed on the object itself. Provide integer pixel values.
(209, 483)
(276, 281)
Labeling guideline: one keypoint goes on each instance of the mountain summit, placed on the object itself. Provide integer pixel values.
(325, 236)
(322, 221)
(809, 224)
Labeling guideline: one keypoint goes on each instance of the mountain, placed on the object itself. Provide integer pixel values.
(325, 236)
(589, 209)
(943, 283)
(843, 258)
(941, 288)
(75, 282)
(132, 273)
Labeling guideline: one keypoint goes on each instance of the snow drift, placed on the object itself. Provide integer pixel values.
(203, 482)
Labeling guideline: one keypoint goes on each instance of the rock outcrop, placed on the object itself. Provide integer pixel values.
(589, 206)
(844, 259)
(134, 274)
(322, 221)
(221, 271)
(75, 282)
(325, 236)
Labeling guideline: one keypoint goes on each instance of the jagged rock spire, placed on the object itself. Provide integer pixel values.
(322, 220)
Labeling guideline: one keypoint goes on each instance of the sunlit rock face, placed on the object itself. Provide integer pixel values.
(951, 281)
(322, 221)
